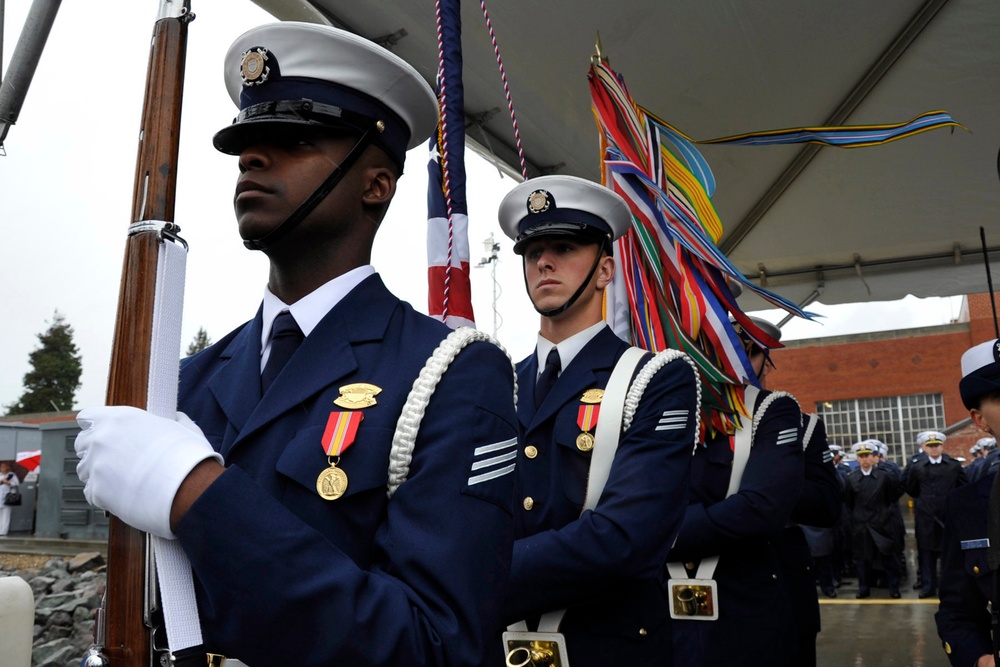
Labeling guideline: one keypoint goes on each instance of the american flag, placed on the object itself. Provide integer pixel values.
(449, 294)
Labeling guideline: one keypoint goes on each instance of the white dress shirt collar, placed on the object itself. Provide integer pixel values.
(568, 349)
(311, 308)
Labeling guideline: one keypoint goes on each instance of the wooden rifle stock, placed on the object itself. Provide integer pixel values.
(127, 641)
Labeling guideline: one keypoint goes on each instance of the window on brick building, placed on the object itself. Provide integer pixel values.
(895, 420)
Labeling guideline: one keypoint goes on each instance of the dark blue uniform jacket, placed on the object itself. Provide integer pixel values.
(284, 577)
(603, 565)
(963, 619)
(755, 612)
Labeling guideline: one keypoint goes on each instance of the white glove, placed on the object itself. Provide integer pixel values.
(133, 462)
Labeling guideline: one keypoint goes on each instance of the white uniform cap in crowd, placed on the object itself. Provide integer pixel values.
(988, 443)
(835, 448)
(930, 437)
(563, 206)
(863, 447)
(980, 372)
(307, 74)
(878, 446)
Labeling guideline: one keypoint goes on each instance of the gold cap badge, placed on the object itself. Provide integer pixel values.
(254, 69)
(358, 395)
(539, 201)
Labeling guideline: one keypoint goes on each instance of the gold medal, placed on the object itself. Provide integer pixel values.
(585, 442)
(331, 483)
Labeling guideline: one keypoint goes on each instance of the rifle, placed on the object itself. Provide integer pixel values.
(129, 599)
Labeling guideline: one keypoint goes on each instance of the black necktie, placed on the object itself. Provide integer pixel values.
(285, 339)
(548, 376)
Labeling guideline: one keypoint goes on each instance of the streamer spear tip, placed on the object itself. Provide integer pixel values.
(598, 54)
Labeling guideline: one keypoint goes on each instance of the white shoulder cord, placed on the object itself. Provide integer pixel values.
(616, 417)
(812, 418)
(408, 425)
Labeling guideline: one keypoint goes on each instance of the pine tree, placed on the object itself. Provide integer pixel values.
(200, 342)
(55, 372)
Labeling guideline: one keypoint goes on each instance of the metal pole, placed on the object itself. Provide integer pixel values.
(28, 51)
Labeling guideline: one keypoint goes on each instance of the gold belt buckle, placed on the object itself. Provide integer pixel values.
(214, 659)
(535, 649)
(693, 599)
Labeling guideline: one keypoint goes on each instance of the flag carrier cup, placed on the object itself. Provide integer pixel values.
(693, 599)
(545, 648)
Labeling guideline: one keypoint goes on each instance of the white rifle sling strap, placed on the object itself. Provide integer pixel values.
(408, 425)
(180, 611)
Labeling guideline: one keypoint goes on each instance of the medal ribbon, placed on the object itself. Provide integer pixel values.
(341, 429)
(586, 419)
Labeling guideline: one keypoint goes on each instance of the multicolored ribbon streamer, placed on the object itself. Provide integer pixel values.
(675, 277)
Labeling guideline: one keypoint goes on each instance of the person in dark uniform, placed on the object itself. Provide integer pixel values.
(917, 457)
(755, 613)
(881, 452)
(843, 563)
(870, 494)
(988, 459)
(968, 580)
(602, 564)
(279, 491)
(930, 480)
(818, 507)
(842, 466)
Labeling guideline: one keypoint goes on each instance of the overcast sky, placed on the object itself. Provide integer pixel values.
(66, 199)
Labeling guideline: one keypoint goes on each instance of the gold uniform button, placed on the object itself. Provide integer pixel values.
(975, 568)
(774, 576)
(642, 632)
(531, 451)
(529, 502)
(689, 566)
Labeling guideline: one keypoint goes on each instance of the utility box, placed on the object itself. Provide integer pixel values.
(22, 517)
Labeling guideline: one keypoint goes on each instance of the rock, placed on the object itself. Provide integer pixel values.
(85, 561)
(39, 585)
(55, 652)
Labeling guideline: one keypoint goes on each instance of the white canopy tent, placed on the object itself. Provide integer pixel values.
(839, 225)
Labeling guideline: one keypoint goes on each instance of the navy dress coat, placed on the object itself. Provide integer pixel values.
(755, 624)
(819, 507)
(966, 587)
(930, 484)
(284, 577)
(603, 565)
(872, 500)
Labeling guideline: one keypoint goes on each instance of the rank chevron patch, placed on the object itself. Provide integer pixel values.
(492, 461)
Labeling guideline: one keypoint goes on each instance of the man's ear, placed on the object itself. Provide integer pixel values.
(380, 186)
(977, 419)
(605, 271)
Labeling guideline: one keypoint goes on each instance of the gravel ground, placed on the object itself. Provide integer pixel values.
(24, 561)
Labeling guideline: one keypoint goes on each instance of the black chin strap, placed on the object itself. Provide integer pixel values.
(313, 200)
(576, 295)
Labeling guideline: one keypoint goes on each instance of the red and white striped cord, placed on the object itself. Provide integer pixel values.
(443, 150)
(506, 89)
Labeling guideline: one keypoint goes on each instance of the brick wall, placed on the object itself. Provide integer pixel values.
(894, 363)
